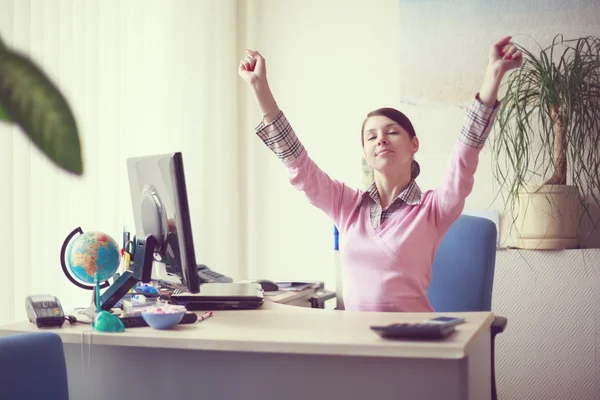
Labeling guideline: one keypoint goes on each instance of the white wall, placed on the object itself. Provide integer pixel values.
(331, 62)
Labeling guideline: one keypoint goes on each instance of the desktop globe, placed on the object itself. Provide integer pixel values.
(93, 256)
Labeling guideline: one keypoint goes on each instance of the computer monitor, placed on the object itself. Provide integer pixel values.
(160, 208)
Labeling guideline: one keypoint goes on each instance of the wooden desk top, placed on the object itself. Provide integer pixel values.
(277, 328)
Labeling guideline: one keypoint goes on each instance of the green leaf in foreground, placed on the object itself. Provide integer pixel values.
(38, 106)
(4, 115)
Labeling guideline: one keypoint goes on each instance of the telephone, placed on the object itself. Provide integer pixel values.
(44, 310)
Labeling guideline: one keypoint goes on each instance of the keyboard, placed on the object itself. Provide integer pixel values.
(208, 275)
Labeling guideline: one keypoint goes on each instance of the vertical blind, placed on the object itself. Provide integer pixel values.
(142, 77)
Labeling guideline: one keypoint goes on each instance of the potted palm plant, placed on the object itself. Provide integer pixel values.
(546, 143)
(32, 101)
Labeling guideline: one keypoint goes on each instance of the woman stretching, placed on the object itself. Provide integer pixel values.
(392, 230)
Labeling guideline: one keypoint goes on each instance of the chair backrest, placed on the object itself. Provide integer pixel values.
(462, 274)
(33, 367)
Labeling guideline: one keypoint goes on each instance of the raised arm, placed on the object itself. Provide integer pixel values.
(253, 71)
(450, 196)
(334, 198)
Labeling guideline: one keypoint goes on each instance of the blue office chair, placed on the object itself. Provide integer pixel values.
(463, 273)
(33, 367)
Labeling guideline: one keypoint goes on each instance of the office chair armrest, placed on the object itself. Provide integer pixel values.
(498, 325)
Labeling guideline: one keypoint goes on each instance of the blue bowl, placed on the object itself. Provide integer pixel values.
(162, 321)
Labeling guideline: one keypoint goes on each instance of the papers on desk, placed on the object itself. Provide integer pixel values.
(294, 286)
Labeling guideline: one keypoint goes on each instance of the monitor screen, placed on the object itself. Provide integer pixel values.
(160, 208)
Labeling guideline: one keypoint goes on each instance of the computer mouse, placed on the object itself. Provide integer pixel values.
(267, 285)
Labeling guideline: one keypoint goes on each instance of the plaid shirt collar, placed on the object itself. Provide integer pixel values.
(411, 195)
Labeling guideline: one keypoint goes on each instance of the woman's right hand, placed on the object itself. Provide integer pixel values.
(252, 69)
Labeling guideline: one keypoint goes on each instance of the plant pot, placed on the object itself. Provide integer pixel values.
(548, 218)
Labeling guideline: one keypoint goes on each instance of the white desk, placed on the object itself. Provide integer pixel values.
(276, 351)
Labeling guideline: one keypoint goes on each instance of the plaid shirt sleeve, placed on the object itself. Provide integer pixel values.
(280, 138)
(479, 123)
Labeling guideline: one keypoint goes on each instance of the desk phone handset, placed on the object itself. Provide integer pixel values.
(44, 310)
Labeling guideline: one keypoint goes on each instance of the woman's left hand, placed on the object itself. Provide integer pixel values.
(504, 56)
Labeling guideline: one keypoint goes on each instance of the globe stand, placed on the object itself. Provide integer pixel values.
(105, 321)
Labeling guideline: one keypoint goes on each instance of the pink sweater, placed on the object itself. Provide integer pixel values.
(387, 268)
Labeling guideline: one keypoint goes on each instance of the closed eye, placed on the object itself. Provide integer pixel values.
(371, 138)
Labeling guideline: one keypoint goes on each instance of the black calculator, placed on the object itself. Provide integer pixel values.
(414, 330)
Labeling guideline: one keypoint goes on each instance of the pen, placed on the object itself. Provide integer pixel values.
(204, 316)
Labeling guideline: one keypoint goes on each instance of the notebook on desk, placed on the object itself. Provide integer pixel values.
(222, 296)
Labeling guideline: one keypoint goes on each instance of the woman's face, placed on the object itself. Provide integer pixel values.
(388, 147)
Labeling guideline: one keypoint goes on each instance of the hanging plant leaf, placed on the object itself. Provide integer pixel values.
(38, 106)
